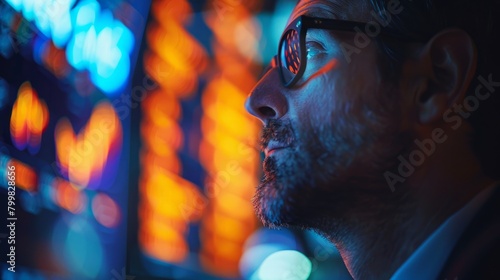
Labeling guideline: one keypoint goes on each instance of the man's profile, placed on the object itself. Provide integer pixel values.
(381, 132)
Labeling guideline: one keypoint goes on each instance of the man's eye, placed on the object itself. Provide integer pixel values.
(313, 49)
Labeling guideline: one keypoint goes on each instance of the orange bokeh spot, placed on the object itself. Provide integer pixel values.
(173, 196)
(162, 242)
(106, 210)
(83, 157)
(69, 196)
(29, 118)
(25, 177)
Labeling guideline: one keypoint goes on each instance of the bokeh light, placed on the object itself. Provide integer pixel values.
(29, 119)
(83, 157)
(285, 265)
(106, 210)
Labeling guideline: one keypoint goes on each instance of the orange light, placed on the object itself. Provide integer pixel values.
(148, 213)
(160, 106)
(83, 157)
(173, 196)
(176, 11)
(25, 176)
(55, 60)
(177, 47)
(69, 197)
(153, 162)
(183, 84)
(29, 118)
(218, 226)
(228, 135)
(227, 202)
(164, 244)
(225, 267)
(106, 210)
(223, 248)
(162, 137)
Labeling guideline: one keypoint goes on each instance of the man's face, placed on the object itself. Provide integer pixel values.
(330, 137)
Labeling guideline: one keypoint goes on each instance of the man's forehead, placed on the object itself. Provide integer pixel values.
(336, 9)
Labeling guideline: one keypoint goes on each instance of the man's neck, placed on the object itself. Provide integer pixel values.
(376, 241)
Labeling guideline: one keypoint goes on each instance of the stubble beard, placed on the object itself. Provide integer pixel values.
(321, 181)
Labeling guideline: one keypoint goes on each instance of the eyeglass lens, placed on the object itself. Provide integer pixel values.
(290, 55)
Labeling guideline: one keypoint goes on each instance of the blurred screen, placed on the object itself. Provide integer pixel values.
(63, 144)
(123, 129)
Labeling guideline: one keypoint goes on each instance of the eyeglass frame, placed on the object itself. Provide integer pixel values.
(303, 23)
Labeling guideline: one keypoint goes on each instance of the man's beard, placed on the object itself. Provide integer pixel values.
(324, 175)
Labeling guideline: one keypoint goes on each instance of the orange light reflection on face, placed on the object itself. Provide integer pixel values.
(29, 118)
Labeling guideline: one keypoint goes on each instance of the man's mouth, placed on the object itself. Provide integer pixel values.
(273, 147)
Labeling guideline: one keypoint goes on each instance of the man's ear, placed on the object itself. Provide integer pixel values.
(448, 62)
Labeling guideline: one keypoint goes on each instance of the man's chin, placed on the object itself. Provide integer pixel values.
(275, 206)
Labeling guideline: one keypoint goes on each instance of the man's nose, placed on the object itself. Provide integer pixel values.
(267, 101)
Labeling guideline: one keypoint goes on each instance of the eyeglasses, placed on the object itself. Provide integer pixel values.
(292, 55)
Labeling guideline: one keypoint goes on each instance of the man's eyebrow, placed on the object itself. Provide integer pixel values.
(328, 9)
(321, 13)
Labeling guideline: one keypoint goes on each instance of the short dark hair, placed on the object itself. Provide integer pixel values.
(479, 18)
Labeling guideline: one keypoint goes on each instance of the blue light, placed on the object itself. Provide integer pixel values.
(4, 93)
(124, 37)
(89, 46)
(114, 79)
(103, 48)
(83, 249)
(95, 40)
(42, 20)
(85, 14)
(16, 4)
(74, 51)
(287, 264)
(28, 9)
(61, 30)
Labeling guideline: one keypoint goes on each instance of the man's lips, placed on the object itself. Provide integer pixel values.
(274, 146)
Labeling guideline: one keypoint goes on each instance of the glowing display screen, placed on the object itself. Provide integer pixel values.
(64, 140)
(94, 40)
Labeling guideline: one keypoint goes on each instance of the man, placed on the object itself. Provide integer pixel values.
(381, 132)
